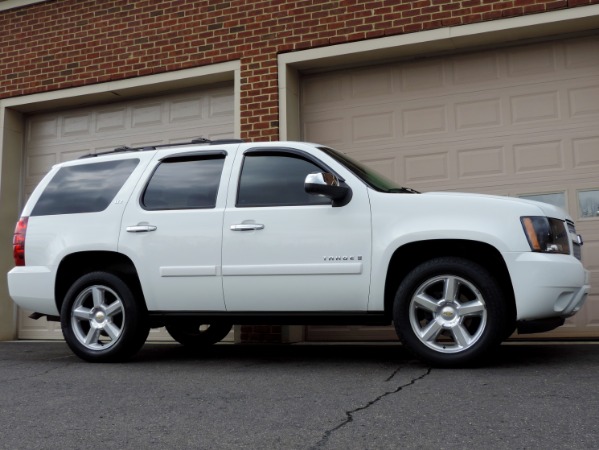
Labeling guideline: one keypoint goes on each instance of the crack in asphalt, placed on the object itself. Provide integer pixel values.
(350, 414)
(395, 372)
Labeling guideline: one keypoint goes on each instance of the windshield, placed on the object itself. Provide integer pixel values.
(372, 178)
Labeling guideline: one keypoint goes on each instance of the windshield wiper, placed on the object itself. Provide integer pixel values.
(402, 190)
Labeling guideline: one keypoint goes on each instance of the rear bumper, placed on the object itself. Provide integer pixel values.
(32, 288)
(547, 285)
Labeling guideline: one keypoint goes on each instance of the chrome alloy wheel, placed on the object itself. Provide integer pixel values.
(97, 317)
(448, 314)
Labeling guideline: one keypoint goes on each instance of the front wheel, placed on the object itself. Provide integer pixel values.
(101, 319)
(194, 333)
(449, 311)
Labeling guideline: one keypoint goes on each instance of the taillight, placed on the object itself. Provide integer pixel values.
(18, 242)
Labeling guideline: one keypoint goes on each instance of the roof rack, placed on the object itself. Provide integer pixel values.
(196, 141)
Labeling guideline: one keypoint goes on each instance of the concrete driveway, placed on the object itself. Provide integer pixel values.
(532, 396)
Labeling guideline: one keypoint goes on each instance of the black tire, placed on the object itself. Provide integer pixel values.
(101, 319)
(450, 312)
(195, 333)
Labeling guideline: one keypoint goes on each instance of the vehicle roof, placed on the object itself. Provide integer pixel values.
(199, 142)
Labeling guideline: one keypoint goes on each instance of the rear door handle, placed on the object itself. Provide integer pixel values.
(247, 227)
(141, 228)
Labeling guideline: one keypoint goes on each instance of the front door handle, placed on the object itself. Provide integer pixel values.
(247, 227)
(141, 228)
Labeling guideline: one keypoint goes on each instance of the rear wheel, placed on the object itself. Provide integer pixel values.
(449, 311)
(101, 319)
(194, 333)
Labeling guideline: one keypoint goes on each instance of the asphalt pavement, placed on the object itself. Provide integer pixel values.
(308, 396)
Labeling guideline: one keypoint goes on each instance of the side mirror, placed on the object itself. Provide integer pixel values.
(328, 185)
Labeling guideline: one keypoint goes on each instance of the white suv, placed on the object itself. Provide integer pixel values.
(197, 237)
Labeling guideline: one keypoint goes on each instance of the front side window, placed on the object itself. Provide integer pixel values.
(84, 188)
(184, 183)
(276, 179)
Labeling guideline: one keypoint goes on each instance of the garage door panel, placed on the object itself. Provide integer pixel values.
(42, 128)
(76, 125)
(539, 156)
(510, 121)
(581, 53)
(586, 151)
(425, 120)
(66, 135)
(481, 69)
(584, 101)
(326, 89)
(329, 130)
(531, 60)
(422, 76)
(541, 106)
(426, 168)
(373, 125)
(478, 113)
(113, 119)
(482, 162)
(371, 83)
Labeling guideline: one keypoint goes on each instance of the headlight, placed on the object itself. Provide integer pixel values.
(546, 235)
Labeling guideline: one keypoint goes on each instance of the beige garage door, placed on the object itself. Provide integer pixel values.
(61, 136)
(519, 121)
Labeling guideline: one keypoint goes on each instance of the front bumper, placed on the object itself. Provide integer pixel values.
(547, 285)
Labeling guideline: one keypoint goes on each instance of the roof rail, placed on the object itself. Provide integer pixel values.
(196, 141)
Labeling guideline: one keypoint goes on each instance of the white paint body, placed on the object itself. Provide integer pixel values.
(312, 259)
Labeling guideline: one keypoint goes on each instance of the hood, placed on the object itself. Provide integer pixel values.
(545, 208)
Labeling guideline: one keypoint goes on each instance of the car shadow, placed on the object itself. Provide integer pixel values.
(508, 355)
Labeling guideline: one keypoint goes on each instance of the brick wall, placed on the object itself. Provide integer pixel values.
(66, 43)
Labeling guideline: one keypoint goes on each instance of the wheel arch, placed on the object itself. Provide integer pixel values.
(410, 255)
(75, 265)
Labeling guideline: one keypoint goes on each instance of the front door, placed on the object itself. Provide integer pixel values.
(285, 250)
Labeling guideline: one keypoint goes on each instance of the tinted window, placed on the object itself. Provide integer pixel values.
(184, 183)
(276, 180)
(84, 188)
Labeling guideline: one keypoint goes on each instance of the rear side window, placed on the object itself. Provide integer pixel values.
(184, 183)
(84, 188)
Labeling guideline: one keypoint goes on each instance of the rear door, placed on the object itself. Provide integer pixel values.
(172, 231)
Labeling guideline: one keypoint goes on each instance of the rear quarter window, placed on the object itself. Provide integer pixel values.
(85, 188)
